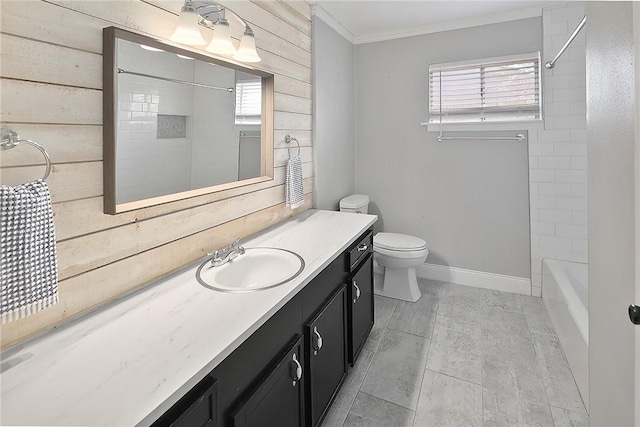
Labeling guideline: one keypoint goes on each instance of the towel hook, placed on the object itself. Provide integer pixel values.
(11, 139)
(288, 139)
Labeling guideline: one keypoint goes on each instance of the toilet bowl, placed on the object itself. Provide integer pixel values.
(399, 254)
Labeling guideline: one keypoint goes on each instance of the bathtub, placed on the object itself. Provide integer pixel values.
(564, 292)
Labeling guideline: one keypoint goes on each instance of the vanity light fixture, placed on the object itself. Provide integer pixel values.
(187, 31)
(209, 14)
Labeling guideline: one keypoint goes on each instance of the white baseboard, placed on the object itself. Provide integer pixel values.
(478, 279)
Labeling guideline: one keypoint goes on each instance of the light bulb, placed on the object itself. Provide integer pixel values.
(247, 50)
(188, 30)
(221, 41)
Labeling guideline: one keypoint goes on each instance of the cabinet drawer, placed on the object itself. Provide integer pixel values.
(360, 250)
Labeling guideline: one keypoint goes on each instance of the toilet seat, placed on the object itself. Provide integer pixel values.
(399, 245)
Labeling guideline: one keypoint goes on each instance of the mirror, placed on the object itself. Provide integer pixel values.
(179, 123)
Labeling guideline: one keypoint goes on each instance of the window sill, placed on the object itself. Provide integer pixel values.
(529, 125)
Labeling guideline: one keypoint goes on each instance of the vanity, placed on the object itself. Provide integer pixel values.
(178, 353)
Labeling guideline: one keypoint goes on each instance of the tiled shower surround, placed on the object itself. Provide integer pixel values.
(558, 154)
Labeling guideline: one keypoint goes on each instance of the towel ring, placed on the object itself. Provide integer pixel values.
(11, 139)
(288, 139)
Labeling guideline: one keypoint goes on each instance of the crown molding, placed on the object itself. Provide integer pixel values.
(319, 12)
(451, 25)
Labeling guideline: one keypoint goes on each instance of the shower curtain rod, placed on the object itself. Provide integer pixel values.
(518, 137)
(549, 65)
(166, 79)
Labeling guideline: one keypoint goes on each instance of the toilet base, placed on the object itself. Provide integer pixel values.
(400, 283)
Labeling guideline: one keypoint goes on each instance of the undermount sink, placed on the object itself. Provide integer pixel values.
(256, 269)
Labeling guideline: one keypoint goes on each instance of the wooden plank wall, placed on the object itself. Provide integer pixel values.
(51, 92)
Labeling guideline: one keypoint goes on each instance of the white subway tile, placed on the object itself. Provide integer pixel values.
(558, 243)
(570, 67)
(554, 135)
(555, 28)
(581, 245)
(540, 148)
(578, 108)
(577, 204)
(558, 108)
(534, 189)
(543, 228)
(567, 13)
(536, 291)
(554, 189)
(555, 216)
(579, 136)
(579, 218)
(556, 82)
(571, 176)
(578, 121)
(543, 202)
(562, 95)
(541, 175)
(570, 149)
(578, 81)
(554, 162)
(579, 162)
(533, 162)
(572, 231)
(579, 190)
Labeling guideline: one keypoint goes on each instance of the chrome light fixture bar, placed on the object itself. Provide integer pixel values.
(209, 14)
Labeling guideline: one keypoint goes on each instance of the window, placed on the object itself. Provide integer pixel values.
(248, 101)
(503, 89)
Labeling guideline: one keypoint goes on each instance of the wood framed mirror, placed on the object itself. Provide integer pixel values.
(180, 124)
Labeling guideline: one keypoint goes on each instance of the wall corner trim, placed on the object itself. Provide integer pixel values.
(477, 279)
(319, 12)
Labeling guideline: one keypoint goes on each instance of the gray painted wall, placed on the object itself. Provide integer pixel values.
(333, 115)
(610, 133)
(468, 199)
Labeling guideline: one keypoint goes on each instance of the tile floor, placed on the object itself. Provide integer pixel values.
(460, 356)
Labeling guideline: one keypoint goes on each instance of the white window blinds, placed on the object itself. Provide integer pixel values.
(248, 102)
(498, 90)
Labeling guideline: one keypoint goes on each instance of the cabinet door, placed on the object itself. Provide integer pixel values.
(360, 308)
(327, 354)
(278, 400)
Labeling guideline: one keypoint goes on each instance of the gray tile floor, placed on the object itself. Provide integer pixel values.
(460, 356)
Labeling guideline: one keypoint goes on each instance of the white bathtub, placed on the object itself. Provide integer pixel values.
(564, 292)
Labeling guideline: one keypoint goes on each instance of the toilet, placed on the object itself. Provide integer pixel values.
(399, 254)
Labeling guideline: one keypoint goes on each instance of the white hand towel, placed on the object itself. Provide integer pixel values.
(293, 190)
(28, 262)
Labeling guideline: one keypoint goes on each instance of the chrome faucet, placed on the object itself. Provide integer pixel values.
(223, 256)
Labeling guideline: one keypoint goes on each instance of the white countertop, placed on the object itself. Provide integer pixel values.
(129, 362)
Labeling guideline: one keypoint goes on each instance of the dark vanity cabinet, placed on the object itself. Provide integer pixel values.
(326, 355)
(288, 372)
(279, 399)
(360, 294)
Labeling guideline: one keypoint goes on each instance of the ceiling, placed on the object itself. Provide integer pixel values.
(363, 21)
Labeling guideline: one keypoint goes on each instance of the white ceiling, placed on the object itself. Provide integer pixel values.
(363, 21)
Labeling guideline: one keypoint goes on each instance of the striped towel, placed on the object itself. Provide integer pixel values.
(28, 262)
(293, 190)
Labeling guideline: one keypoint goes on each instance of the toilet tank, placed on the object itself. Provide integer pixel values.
(357, 203)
